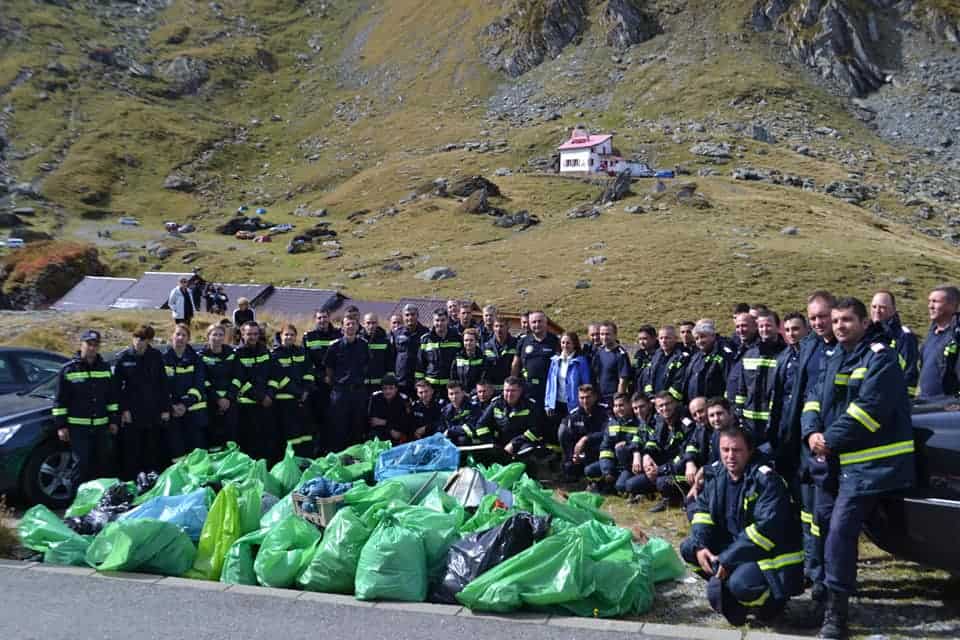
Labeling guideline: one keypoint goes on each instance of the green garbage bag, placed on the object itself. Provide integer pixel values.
(529, 496)
(88, 495)
(333, 568)
(489, 514)
(504, 475)
(145, 545)
(72, 551)
(271, 485)
(287, 472)
(285, 552)
(392, 565)
(438, 531)
(362, 497)
(173, 481)
(438, 500)
(231, 465)
(220, 531)
(238, 563)
(664, 559)
(282, 510)
(198, 466)
(39, 528)
(589, 570)
(591, 503)
(249, 499)
(414, 482)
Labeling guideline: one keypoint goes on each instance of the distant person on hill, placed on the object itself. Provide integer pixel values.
(181, 303)
(243, 313)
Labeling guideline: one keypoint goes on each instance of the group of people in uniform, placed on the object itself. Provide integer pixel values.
(779, 441)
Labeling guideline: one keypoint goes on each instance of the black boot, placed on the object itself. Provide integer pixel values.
(835, 619)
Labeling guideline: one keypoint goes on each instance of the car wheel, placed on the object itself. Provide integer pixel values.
(50, 475)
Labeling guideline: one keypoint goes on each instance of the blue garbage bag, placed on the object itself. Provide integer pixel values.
(435, 453)
(188, 511)
(323, 488)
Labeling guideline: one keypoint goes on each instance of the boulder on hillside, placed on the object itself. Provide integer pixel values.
(9, 220)
(629, 23)
(41, 276)
(617, 189)
(543, 31)
(179, 182)
(242, 223)
(436, 273)
(184, 75)
(476, 202)
(463, 187)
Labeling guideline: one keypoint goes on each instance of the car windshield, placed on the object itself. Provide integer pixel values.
(46, 389)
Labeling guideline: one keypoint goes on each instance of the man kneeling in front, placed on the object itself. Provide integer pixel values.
(745, 534)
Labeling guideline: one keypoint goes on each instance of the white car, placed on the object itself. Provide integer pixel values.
(14, 243)
(130, 222)
(281, 228)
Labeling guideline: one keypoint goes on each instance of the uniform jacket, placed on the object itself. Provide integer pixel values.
(905, 343)
(767, 527)
(406, 343)
(535, 357)
(186, 378)
(86, 395)
(665, 372)
(668, 446)
(578, 373)
(437, 355)
(316, 342)
(255, 371)
(626, 430)
(592, 425)
(499, 358)
(467, 369)
(223, 374)
(504, 424)
(429, 416)
(706, 373)
(736, 371)
(465, 417)
(641, 362)
(142, 385)
(293, 372)
(755, 395)
(383, 356)
(860, 404)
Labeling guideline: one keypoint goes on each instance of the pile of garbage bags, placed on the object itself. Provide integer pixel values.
(503, 544)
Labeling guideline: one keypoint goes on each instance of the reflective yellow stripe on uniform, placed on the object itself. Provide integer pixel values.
(377, 346)
(436, 381)
(783, 560)
(758, 602)
(806, 516)
(814, 529)
(88, 422)
(876, 453)
(300, 440)
(756, 415)
(483, 431)
(607, 455)
(740, 399)
(812, 405)
(284, 396)
(756, 363)
(861, 416)
(702, 518)
(59, 411)
(758, 538)
(676, 394)
(858, 374)
(196, 406)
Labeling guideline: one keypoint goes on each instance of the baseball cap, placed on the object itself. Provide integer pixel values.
(389, 380)
(90, 336)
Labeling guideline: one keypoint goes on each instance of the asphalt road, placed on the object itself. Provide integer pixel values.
(48, 606)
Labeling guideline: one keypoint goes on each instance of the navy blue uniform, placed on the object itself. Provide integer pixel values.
(428, 417)
(141, 390)
(706, 373)
(499, 359)
(468, 369)
(609, 366)
(396, 412)
(296, 382)
(618, 430)
(665, 372)
(186, 378)
(459, 423)
(757, 382)
(939, 364)
(578, 424)
(86, 404)
(255, 422)
(862, 408)
(736, 372)
(671, 448)
(518, 425)
(641, 363)
(436, 357)
(346, 364)
(383, 357)
(752, 526)
(316, 342)
(535, 362)
(905, 343)
(406, 344)
(222, 381)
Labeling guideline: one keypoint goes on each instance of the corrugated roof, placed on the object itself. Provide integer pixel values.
(150, 291)
(383, 309)
(294, 302)
(93, 293)
(255, 293)
(425, 305)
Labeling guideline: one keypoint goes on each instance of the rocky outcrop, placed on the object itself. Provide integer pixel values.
(539, 30)
(35, 279)
(184, 75)
(630, 23)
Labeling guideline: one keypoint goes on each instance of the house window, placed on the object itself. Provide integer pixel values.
(572, 162)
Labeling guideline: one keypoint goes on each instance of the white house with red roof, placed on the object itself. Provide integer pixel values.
(593, 153)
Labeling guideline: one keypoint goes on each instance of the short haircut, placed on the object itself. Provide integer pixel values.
(669, 328)
(454, 384)
(409, 308)
(647, 329)
(610, 324)
(705, 327)
(241, 300)
(759, 307)
(734, 431)
(950, 291)
(795, 315)
(719, 401)
(664, 395)
(823, 296)
(769, 313)
(181, 325)
(859, 309)
(741, 307)
(620, 395)
(288, 327)
(640, 396)
(423, 383)
(144, 331)
(466, 305)
(886, 292)
(586, 388)
(440, 312)
(471, 332)
(490, 309)
(574, 338)
(513, 381)
(249, 323)
(216, 327)
(687, 323)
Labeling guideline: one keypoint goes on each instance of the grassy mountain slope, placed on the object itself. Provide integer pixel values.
(367, 95)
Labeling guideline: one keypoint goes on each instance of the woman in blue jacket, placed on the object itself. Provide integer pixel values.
(568, 370)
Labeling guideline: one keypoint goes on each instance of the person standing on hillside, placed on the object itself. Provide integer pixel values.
(186, 383)
(883, 310)
(180, 302)
(534, 352)
(939, 364)
(438, 352)
(610, 364)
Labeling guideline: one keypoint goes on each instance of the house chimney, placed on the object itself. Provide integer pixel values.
(579, 132)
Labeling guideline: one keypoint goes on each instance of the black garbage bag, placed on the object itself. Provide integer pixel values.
(117, 499)
(145, 481)
(484, 550)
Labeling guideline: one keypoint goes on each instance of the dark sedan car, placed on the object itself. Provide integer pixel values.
(33, 462)
(22, 368)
